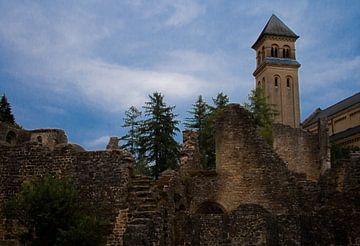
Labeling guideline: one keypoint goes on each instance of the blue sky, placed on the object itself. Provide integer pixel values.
(78, 65)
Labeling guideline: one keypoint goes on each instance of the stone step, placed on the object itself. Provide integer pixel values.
(145, 214)
(140, 187)
(139, 221)
(145, 193)
(147, 207)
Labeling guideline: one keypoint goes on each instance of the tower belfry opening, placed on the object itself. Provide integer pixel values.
(277, 68)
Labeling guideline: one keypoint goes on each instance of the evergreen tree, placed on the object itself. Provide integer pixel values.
(220, 101)
(203, 121)
(199, 113)
(5, 111)
(157, 133)
(132, 122)
(263, 112)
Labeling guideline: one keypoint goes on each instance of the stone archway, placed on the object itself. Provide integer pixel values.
(210, 207)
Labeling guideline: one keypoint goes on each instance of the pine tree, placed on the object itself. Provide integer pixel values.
(203, 121)
(263, 112)
(199, 113)
(158, 132)
(5, 111)
(132, 122)
(220, 101)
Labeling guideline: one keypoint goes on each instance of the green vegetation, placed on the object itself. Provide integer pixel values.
(50, 211)
(152, 139)
(203, 119)
(263, 112)
(6, 115)
(339, 152)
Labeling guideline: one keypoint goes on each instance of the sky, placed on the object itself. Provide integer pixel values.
(78, 65)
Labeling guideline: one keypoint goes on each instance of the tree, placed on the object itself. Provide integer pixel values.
(203, 121)
(131, 121)
(157, 133)
(50, 211)
(6, 115)
(263, 112)
(199, 113)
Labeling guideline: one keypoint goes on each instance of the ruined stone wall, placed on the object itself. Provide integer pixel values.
(101, 176)
(248, 168)
(299, 149)
(49, 137)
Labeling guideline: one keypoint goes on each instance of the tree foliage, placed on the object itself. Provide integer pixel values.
(50, 211)
(158, 135)
(203, 119)
(339, 152)
(263, 112)
(133, 123)
(6, 115)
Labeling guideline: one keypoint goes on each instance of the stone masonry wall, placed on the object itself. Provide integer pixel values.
(249, 170)
(101, 176)
(299, 149)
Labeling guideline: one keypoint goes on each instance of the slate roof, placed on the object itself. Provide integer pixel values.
(275, 27)
(333, 109)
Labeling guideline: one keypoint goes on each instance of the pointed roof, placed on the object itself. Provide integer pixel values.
(275, 27)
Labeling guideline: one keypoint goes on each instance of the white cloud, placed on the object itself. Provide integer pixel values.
(56, 50)
(184, 12)
(98, 142)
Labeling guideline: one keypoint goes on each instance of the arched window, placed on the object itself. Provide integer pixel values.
(259, 83)
(288, 82)
(286, 51)
(274, 50)
(276, 81)
(258, 58)
(262, 53)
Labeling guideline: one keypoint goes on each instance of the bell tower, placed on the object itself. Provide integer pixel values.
(277, 70)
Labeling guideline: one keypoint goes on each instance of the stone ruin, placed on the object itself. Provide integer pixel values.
(257, 195)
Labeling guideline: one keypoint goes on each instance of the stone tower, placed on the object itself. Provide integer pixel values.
(277, 70)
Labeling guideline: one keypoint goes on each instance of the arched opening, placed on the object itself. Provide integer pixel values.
(39, 139)
(258, 58)
(286, 51)
(262, 53)
(11, 137)
(274, 50)
(210, 208)
(276, 81)
(288, 82)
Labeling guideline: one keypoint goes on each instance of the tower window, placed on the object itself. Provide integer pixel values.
(259, 58)
(276, 82)
(286, 51)
(263, 53)
(274, 50)
(288, 82)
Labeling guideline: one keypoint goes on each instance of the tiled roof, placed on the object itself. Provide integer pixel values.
(333, 109)
(275, 27)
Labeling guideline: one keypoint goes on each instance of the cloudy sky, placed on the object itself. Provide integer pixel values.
(78, 65)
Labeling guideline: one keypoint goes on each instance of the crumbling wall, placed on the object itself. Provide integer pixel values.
(49, 137)
(299, 149)
(101, 176)
(249, 170)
